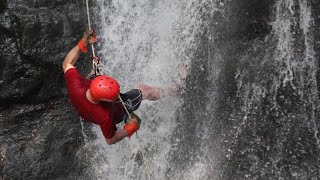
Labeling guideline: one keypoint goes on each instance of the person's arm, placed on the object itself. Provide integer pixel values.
(118, 136)
(89, 37)
(128, 129)
(71, 58)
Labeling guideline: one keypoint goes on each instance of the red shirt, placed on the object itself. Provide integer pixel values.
(101, 114)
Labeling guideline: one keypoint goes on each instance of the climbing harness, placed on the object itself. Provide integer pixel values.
(125, 108)
(96, 65)
(96, 61)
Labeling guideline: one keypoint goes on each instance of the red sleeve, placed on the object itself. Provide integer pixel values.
(71, 73)
(108, 129)
(73, 76)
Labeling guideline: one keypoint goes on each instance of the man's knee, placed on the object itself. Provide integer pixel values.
(143, 87)
(144, 90)
(149, 93)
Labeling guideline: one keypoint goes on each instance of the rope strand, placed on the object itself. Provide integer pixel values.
(88, 14)
(125, 108)
(94, 55)
(89, 26)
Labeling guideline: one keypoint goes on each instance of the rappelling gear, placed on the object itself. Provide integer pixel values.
(97, 66)
(104, 88)
(95, 60)
(132, 99)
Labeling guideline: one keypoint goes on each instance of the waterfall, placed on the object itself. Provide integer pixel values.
(277, 128)
(248, 108)
(145, 42)
(296, 57)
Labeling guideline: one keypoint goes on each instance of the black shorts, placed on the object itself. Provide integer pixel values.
(132, 99)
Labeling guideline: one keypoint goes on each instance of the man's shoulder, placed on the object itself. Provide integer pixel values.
(76, 85)
(72, 72)
(72, 75)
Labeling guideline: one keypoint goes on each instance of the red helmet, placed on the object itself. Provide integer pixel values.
(104, 88)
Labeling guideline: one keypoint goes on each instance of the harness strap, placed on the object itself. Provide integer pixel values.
(112, 116)
(124, 116)
(125, 107)
(96, 65)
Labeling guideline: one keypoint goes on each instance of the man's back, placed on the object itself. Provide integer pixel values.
(104, 114)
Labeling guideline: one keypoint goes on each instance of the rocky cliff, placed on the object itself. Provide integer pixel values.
(39, 131)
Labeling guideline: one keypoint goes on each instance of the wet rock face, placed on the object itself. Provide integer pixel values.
(34, 43)
(226, 34)
(255, 140)
(38, 142)
(39, 131)
(316, 10)
(269, 126)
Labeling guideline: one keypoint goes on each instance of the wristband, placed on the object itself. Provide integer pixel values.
(81, 45)
(131, 127)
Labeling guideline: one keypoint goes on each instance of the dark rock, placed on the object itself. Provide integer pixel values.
(259, 127)
(3, 5)
(33, 46)
(39, 131)
(38, 142)
(267, 127)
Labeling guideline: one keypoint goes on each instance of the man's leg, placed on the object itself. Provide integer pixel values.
(153, 93)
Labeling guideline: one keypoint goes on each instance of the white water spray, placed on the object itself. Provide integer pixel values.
(299, 72)
(144, 42)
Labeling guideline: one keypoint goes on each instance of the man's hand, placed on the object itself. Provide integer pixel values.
(89, 37)
(132, 125)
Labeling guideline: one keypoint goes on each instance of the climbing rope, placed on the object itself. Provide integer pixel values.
(96, 61)
(125, 108)
(89, 26)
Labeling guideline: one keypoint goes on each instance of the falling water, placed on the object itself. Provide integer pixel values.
(261, 124)
(277, 131)
(145, 42)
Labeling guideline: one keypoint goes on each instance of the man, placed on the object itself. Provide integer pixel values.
(97, 100)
